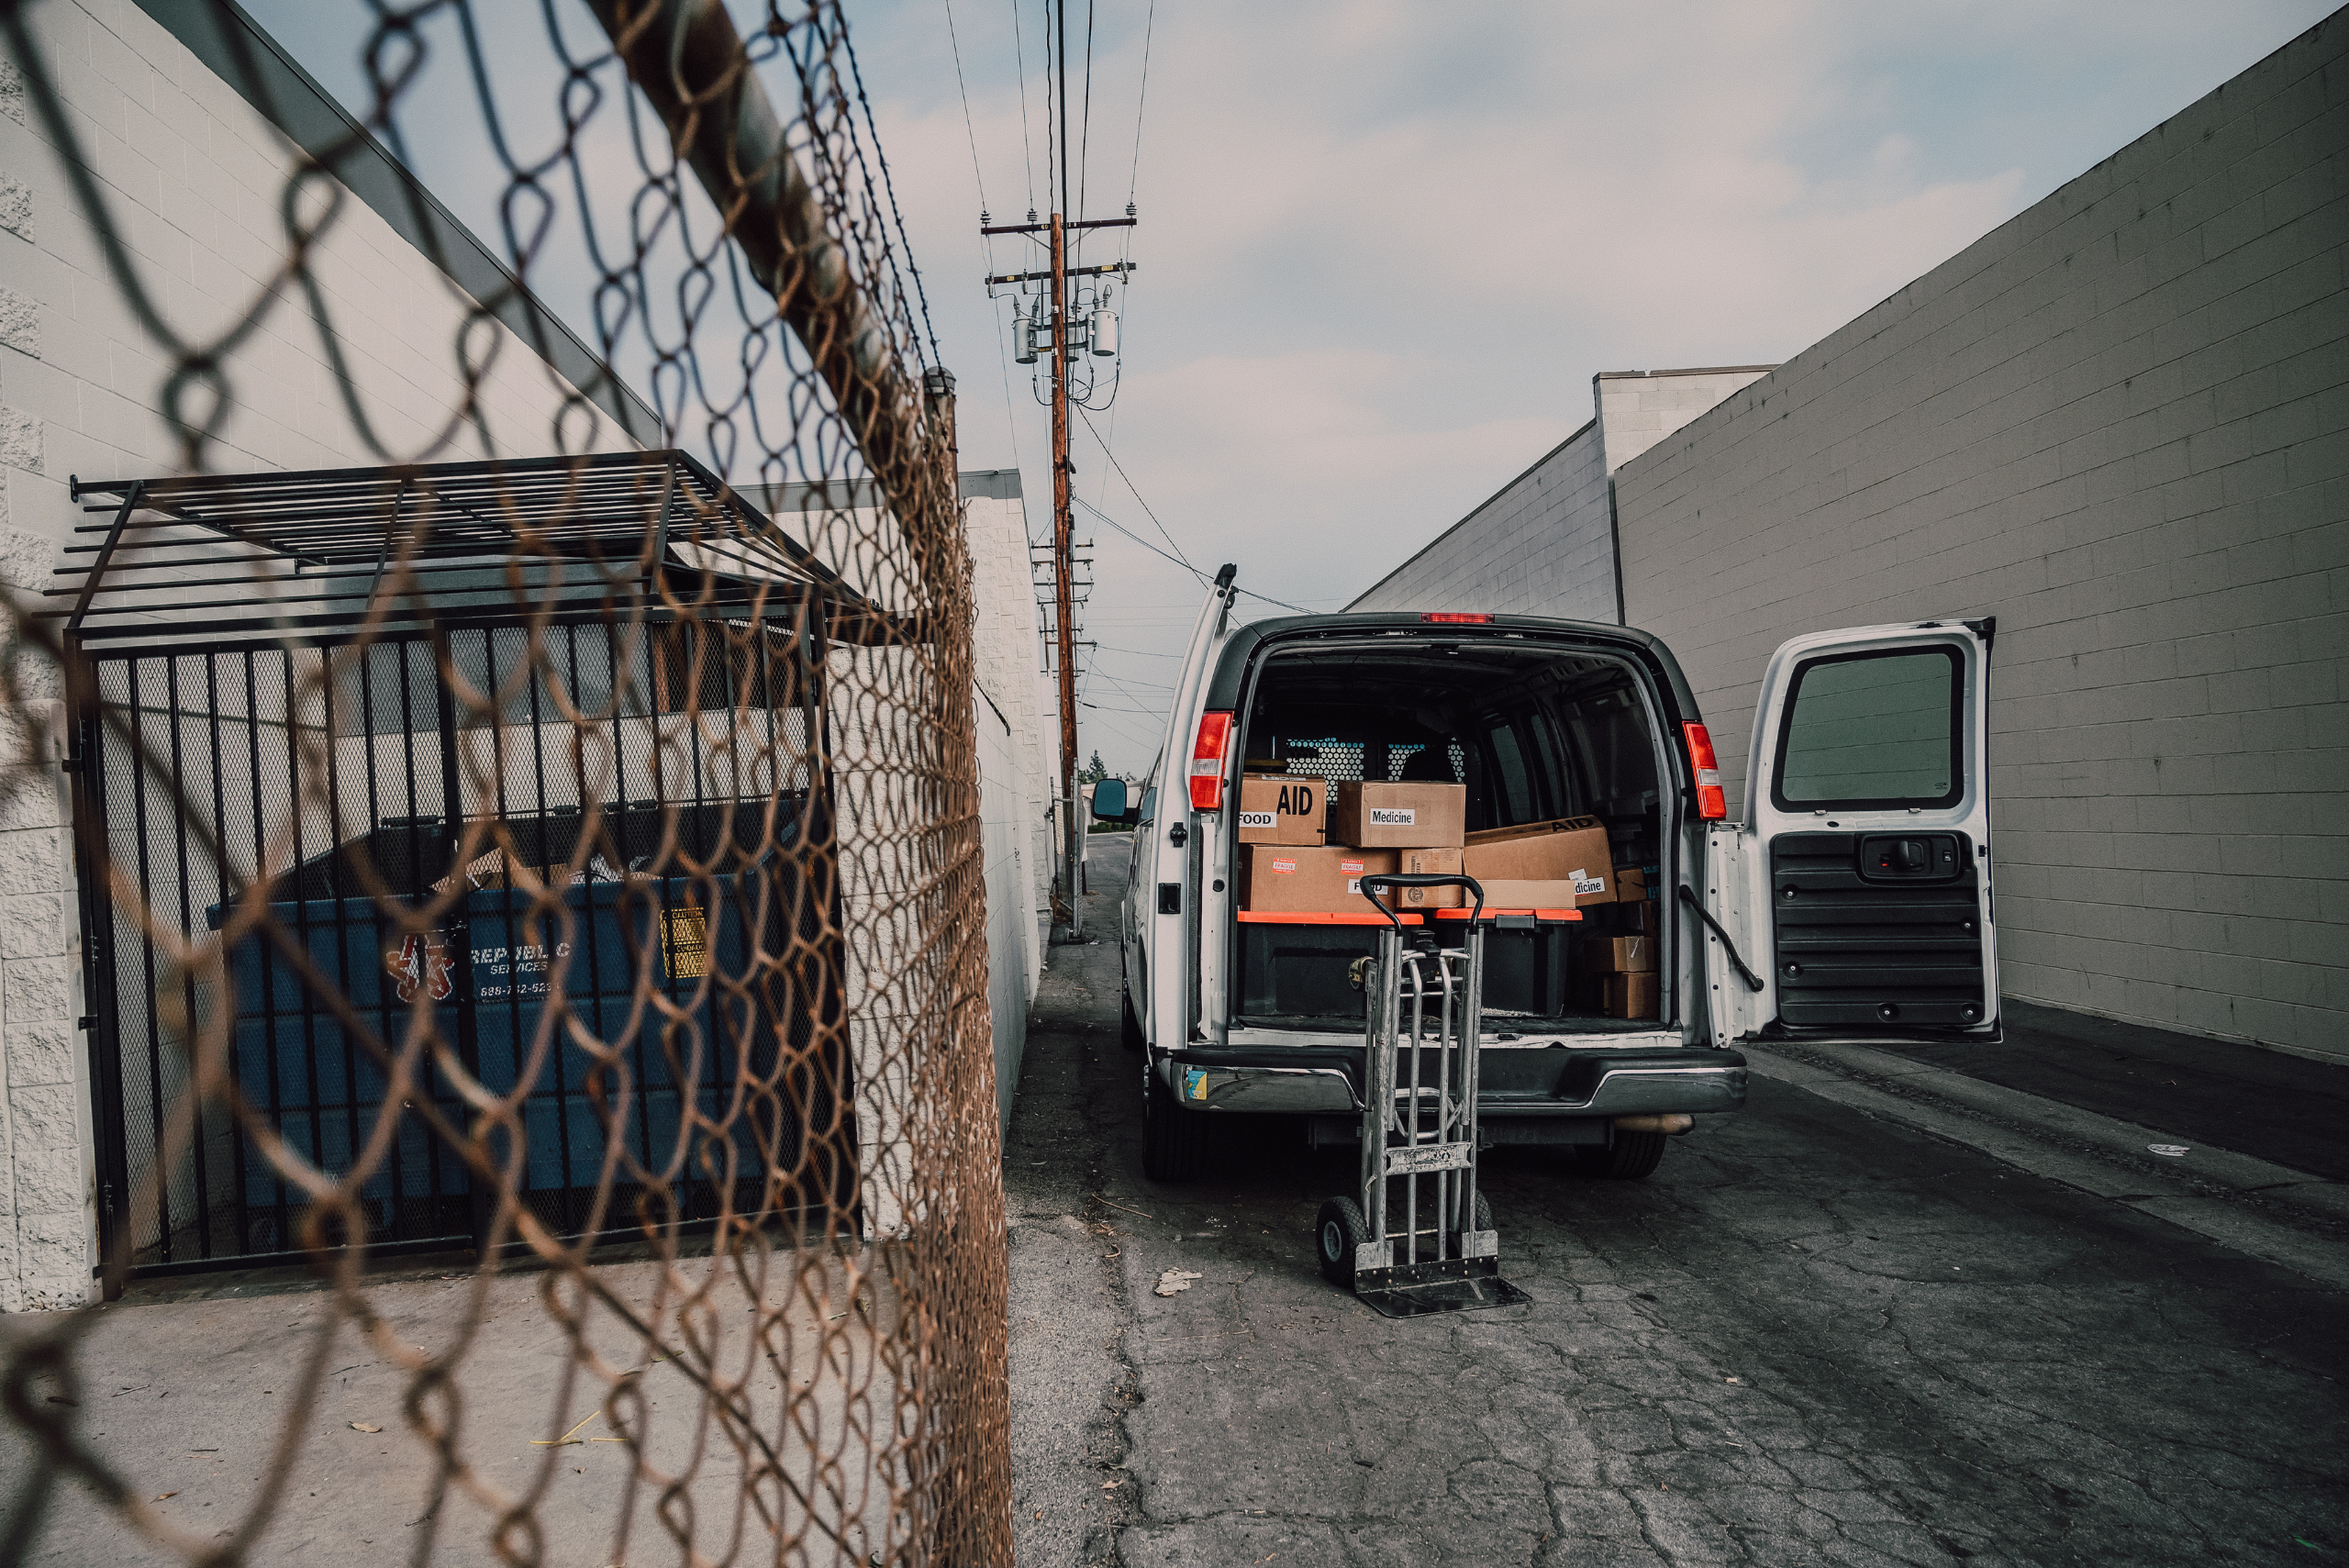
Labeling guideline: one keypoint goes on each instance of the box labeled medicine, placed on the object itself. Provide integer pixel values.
(1399, 815)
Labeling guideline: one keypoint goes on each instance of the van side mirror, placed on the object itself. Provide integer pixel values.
(1109, 801)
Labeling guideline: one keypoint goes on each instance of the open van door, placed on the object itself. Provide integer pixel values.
(1165, 953)
(1853, 903)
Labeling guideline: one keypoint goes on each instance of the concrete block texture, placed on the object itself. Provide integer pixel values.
(1543, 546)
(2134, 458)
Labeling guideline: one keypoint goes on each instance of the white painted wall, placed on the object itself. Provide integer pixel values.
(1014, 780)
(191, 176)
(2120, 423)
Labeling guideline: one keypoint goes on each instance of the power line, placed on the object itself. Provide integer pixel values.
(1133, 178)
(856, 73)
(1129, 485)
(1084, 130)
(1027, 145)
(1186, 565)
(965, 87)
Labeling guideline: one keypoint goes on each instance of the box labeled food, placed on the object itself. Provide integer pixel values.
(1632, 995)
(1282, 810)
(1307, 879)
(1567, 850)
(1399, 815)
(1618, 955)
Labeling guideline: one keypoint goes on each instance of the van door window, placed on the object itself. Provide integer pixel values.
(1876, 730)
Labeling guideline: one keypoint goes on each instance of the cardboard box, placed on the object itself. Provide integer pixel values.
(1569, 850)
(1399, 815)
(1307, 879)
(1637, 920)
(1632, 995)
(1429, 862)
(1503, 893)
(1631, 885)
(1279, 810)
(1618, 955)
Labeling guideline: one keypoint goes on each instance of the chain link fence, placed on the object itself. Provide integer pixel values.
(548, 860)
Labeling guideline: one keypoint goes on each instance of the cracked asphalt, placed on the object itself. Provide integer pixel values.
(1812, 1337)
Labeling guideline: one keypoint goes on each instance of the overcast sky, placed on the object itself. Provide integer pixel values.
(1385, 245)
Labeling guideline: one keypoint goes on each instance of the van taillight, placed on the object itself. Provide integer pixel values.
(1710, 802)
(1455, 617)
(1208, 758)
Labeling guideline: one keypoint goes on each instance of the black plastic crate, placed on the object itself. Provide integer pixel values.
(1298, 966)
(1529, 959)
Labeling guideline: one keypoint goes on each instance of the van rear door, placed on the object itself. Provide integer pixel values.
(1165, 948)
(1857, 890)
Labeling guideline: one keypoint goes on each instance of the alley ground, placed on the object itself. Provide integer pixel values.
(1892, 1313)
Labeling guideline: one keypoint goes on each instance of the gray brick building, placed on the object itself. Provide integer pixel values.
(2120, 423)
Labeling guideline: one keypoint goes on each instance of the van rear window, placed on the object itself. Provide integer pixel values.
(1341, 762)
(1876, 730)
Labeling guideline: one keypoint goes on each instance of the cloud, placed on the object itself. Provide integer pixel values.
(1385, 245)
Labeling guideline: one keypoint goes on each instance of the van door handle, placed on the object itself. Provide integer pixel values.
(1170, 898)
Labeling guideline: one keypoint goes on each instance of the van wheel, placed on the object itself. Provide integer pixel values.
(1174, 1140)
(1129, 1026)
(1337, 1233)
(1634, 1156)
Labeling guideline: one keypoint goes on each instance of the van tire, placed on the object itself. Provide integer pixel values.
(1174, 1140)
(1633, 1156)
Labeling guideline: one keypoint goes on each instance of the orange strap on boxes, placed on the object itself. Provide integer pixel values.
(1332, 918)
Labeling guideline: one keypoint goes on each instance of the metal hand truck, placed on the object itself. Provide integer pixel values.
(1418, 1126)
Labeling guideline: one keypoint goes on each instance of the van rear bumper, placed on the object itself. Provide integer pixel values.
(1325, 1081)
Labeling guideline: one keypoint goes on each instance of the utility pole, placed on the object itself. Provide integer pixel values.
(1064, 600)
(1064, 335)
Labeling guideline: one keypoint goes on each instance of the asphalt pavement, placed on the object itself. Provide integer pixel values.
(1900, 1310)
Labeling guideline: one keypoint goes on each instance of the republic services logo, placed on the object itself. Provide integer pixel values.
(420, 964)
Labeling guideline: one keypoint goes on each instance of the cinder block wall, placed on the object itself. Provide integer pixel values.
(1639, 409)
(2120, 424)
(1545, 544)
(1539, 547)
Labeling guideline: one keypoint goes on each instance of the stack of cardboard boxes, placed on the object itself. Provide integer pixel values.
(1306, 844)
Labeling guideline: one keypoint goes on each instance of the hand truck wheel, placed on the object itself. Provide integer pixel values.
(1485, 1214)
(1340, 1229)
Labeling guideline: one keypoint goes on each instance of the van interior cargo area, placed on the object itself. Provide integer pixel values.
(1534, 734)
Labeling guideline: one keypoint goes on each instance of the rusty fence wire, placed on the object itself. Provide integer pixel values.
(560, 857)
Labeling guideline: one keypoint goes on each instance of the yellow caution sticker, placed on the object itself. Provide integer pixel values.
(685, 942)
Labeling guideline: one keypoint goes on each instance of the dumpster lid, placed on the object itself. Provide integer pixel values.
(430, 540)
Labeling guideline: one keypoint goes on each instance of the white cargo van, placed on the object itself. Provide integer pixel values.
(1851, 903)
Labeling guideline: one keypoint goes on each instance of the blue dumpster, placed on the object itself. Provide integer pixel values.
(754, 1049)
